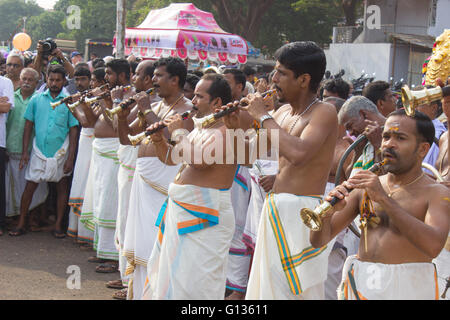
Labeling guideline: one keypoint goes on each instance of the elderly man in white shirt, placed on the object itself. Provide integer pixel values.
(6, 103)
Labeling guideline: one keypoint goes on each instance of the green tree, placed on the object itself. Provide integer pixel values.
(276, 23)
(47, 24)
(241, 17)
(11, 14)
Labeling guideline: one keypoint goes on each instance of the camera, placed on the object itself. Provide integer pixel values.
(48, 46)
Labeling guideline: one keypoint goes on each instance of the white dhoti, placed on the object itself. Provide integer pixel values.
(99, 211)
(189, 259)
(43, 169)
(80, 176)
(285, 266)
(127, 158)
(259, 169)
(378, 281)
(336, 259)
(239, 259)
(15, 185)
(148, 193)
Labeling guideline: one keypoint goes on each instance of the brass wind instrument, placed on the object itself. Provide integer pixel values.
(313, 218)
(214, 117)
(69, 98)
(135, 140)
(90, 101)
(125, 104)
(84, 94)
(412, 99)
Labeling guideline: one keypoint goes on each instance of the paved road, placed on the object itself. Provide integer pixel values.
(34, 266)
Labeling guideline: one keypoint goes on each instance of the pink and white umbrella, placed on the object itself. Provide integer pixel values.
(181, 30)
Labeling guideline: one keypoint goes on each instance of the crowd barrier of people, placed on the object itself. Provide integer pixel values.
(174, 225)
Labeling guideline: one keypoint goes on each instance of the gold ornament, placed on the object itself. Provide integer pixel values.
(439, 65)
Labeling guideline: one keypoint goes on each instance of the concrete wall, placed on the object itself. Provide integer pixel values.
(413, 16)
(442, 18)
(356, 57)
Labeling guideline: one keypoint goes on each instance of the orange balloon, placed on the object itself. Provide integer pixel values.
(21, 41)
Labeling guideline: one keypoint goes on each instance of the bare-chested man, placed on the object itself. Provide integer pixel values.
(443, 161)
(99, 211)
(285, 266)
(152, 177)
(395, 252)
(239, 260)
(442, 262)
(76, 229)
(339, 252)
(196, 223)
(341, 146)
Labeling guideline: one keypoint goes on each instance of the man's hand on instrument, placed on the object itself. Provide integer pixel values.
(123, 113)
(74, 98)
(231, 120)
(117, 93)
(373, 132)
(142, 100)
(256, 105)
(158, 135)
(261, 85)
(369, 181)
(173, 123)
(340, 192)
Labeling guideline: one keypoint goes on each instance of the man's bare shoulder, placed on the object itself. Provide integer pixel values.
(281, 110)
(433, 189)
(324, 109)
(443, 139)
(186, 105)
(153, 105)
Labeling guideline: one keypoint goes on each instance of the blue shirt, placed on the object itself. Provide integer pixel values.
(51, 126)
(433, 153)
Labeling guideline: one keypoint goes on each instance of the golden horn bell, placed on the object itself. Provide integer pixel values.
(135, 140)
(90, 101)
(313, 218)
(111, 112)
(412, 99)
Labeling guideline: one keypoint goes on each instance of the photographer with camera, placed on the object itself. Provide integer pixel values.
(48, 53)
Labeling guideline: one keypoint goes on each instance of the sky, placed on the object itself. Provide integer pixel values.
(46, 4)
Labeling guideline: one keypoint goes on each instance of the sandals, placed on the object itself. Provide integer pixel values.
(121, 295)
(58, 235)
(107, 268)
(96, 260)
(115, 284)
(17, 232)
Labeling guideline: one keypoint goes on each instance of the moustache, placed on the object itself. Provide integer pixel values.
(389, 152)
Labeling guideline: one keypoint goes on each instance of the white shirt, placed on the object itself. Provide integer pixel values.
(6, 90)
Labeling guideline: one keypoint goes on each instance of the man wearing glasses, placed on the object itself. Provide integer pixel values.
(14, 66)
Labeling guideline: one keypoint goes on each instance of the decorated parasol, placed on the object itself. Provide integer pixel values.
(182, 30)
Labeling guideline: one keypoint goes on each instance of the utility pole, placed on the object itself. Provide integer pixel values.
(24, 22)
(120, 29)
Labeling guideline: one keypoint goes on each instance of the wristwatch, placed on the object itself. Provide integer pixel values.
(117, 101)
(264, 118)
